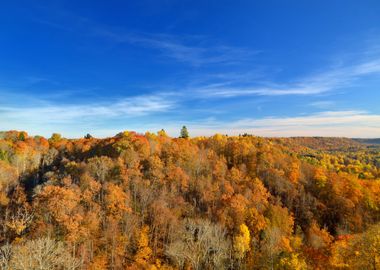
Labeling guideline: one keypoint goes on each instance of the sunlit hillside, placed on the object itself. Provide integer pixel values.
(149, 201)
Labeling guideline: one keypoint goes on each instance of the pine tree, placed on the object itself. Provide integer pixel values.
(184, 133)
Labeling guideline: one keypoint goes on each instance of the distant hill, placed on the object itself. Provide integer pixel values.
(325, 143)
(368, 141)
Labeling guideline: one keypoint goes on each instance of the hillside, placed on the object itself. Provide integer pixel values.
(369, 141)
(328, 143)
(149, 201)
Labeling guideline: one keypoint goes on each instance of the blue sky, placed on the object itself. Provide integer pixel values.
(270, 68)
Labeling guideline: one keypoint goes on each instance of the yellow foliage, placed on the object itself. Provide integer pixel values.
(285, 244)
(143, 250)
(3, 199)
(320, 177)
(116, 200)
(99, 263)
(294, 174)
(17, 226)
(256, 221)
(293, 262)
(361, 251)
(242, 242)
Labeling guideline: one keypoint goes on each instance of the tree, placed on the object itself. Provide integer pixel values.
(99, 167)
(22, 136)
(242, 242)
(19, 221)
(8, 179)
(162, 133)
(184, 133)
(60, 204)
(292, 262)
(277, 235)
(144, 252)
(88, 136)
(294, 173)
(320, 178)
(55, 137)
(116, 201)
(42, 254)
(5, 257)
(202, 245)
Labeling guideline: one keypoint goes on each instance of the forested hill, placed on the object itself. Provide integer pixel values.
(148, 201)
(326, 143)
(369, 141)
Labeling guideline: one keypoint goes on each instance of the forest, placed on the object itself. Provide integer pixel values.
(151, 201)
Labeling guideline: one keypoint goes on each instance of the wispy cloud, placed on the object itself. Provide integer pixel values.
(190, 49)
(247, 79)
(323, 104)
(54, 114)
(327, 118)
(187, 49)
(320, 83)
(327, 123)
(202, 51)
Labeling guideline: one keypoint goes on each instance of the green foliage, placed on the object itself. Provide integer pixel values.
(4, 155)
(22, 136)
(184, 133)
(55, 137)
(88, 136)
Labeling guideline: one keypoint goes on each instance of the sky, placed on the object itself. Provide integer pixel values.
(268, 68)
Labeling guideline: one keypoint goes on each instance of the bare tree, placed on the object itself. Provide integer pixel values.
(5, 257)
(19, 220)
(202, 244)
(40, 254)
(49, 158)
(99, 167)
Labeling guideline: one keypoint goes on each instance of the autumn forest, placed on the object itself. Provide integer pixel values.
(149, 201)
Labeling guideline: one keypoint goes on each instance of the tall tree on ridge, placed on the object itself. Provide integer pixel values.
(184, 132)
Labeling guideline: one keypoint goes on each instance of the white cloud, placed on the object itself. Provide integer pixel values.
(74, 121)
(188, 50)
(367, 68)
(52, 114)
(323, 104)
(333, 79)
(328, 123)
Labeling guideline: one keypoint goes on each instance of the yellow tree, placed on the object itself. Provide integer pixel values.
(116, 201)
(294, 173)
(144, 252)
(242, 242)
(292, 262)
(320, 177)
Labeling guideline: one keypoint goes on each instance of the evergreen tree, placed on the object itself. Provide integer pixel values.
(184, 133)
(23, 135)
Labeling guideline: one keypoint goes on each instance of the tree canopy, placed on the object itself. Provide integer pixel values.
(149, 201)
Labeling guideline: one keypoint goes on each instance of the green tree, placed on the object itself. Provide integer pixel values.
(55, 137)
(22, 136)
(184, 132)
